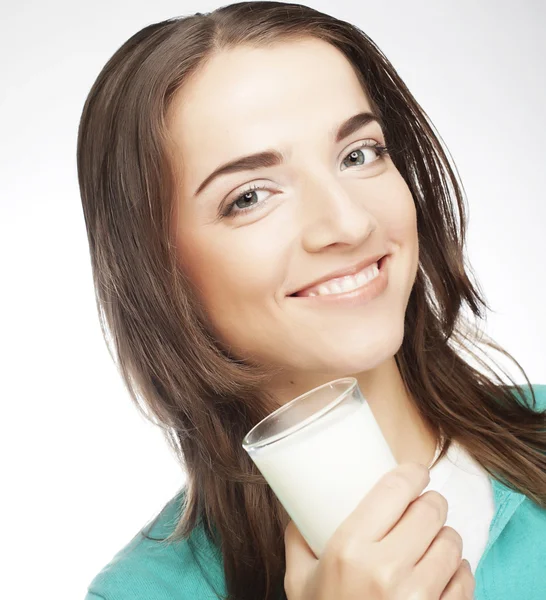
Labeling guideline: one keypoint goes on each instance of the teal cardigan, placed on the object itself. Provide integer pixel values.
(512, 567)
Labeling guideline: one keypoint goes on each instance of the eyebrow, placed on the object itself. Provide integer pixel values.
(272, 158)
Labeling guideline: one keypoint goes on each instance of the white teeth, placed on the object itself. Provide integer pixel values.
(322, 290)
(345, 284)
(361, 278)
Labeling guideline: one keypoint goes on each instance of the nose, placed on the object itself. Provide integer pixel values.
(333, 214)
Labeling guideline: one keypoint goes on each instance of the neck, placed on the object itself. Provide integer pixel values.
(395, 410)
(404, 429)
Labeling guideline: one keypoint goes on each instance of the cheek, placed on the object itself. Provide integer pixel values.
(397, 214)
(403, 228)
(236, 274)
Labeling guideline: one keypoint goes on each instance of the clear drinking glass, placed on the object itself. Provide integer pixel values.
(321, 453)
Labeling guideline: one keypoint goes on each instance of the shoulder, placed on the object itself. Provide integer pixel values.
(148, 568)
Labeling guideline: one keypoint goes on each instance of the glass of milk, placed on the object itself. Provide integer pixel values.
(321, 453)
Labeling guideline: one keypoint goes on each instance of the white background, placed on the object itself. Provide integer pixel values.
(82, 470)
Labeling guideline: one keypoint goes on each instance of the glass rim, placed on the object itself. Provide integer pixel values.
(352, 382)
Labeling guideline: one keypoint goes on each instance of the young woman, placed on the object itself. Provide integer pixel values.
(268, 208)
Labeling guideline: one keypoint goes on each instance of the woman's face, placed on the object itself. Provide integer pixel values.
(330, 205)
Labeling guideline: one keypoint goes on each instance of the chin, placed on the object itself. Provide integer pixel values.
(349, 354)
(345, 366)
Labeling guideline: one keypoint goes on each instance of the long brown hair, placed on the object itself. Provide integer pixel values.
(157, 331)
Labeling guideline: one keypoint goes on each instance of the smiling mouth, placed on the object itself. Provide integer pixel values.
(343, 285)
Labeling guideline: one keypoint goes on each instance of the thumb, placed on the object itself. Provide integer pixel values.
(298, 553)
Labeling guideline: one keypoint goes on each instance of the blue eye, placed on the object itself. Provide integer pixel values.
(358, 152)
(248, 196)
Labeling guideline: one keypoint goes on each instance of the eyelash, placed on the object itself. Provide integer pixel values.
(228, 211)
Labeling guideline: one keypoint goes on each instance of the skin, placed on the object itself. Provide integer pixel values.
(319, 212)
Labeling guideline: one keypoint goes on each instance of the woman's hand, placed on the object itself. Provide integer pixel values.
(393, 546)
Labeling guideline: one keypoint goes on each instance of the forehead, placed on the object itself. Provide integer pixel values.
(247, 98)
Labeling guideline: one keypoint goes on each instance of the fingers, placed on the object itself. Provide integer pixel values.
(435, 570)
(461, 585)
(386, 502)
(418, 527)
(300, 559)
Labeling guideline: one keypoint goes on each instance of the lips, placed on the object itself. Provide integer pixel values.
(342, 273)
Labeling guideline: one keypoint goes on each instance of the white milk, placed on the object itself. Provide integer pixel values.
(323, 471)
